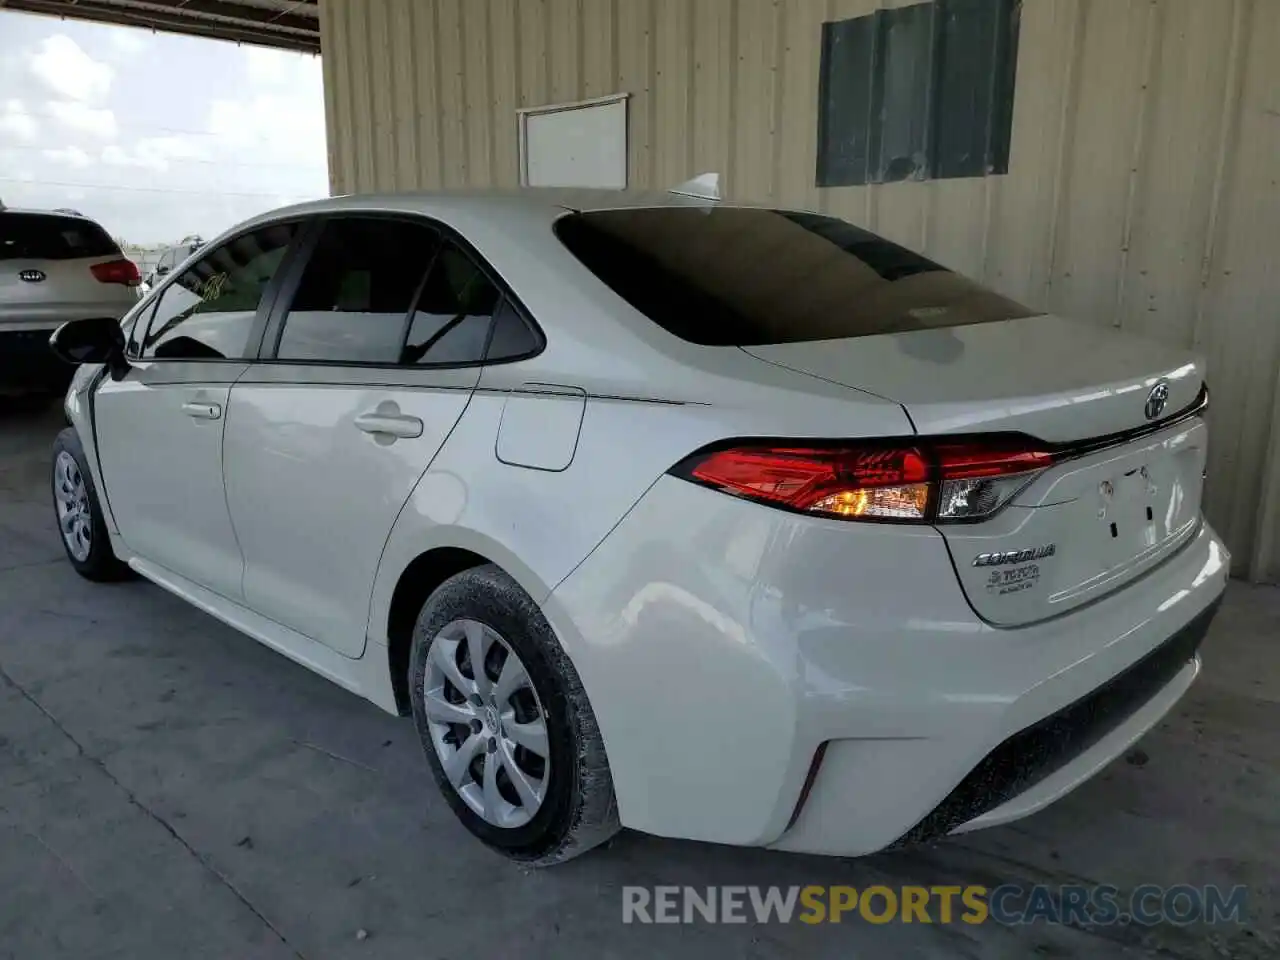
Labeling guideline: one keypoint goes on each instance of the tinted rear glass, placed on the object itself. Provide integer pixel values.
(42, 236)
(736, 277)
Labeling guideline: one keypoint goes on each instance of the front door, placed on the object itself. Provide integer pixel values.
(160, 428)
(375, 359)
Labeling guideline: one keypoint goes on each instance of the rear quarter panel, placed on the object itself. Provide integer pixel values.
(648, 401)
(536, 523)
(540, 522)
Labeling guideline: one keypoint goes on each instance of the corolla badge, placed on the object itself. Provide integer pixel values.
(31, 276)
(1157, 399)
(1015, 556)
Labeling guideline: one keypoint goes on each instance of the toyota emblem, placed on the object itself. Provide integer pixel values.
(1156, 400)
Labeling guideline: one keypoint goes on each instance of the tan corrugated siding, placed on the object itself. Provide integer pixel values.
(1142, 189)
(334, 119)
(1240, 322)
(504, 53)
(673, 88)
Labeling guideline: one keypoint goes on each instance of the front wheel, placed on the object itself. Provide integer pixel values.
(79, 513)
(505, 722)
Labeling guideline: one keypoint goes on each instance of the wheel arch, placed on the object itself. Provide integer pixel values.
(416, 582)
(419, 577)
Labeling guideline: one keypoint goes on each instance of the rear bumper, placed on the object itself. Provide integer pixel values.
(27, 362)
(1045, 760)
(49, 316)
(723, 644)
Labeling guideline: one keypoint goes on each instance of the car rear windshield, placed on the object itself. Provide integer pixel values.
(43, 236)
(735, 276)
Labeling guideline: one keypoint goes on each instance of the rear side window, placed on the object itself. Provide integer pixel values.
(42, 236)
(352, 304)
(451, 319)
(731, 276)
(512, 338)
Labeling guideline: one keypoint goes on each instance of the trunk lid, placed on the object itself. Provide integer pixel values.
(1046, 376)
(1124, 496)
(59, 282)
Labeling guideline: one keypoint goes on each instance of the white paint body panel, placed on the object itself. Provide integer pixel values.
(1103, 540)
(782, 632)
(1053, 378)
(540, 426)
(314, 497)
(162, 468)
(69, 292)
(721, 642)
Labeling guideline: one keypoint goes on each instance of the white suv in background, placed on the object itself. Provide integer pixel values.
(55, 266)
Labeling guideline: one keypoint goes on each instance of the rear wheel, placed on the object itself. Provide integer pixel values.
(505, 722)
(79, 513)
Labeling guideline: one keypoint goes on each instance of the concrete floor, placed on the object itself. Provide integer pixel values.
(170, 788)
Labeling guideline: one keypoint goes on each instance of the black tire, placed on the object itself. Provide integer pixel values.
(578, 811)
(101, 565)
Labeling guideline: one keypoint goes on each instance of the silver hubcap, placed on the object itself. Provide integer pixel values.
(486, 723)
(75, 517)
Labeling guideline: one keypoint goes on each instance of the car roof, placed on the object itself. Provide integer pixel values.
(57, 212)
(547, 201)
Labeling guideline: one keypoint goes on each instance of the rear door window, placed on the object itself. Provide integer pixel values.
(352, 303)
(395, 293)
(735, 276)
(42, 236)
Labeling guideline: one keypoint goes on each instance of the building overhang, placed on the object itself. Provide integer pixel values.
(288, 24)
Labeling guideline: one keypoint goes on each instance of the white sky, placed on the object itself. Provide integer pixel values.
(153, 135)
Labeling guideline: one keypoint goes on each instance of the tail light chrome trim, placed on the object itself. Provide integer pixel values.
(1080, 448)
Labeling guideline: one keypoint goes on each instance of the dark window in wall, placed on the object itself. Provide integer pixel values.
(918, 92)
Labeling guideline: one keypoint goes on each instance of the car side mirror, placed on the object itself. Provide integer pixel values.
(161, 271)
(93, 340)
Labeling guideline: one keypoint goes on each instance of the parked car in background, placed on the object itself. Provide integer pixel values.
(170, 258)
(55, 266)
(715, 521)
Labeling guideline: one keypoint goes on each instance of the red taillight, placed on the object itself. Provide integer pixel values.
(117, 271)
(923, 481)
(965, 461)
(885, 483)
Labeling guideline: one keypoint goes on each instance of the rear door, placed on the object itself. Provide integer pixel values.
(160, 428)
(369, 365)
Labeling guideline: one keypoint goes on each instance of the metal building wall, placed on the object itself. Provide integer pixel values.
(1142, 189)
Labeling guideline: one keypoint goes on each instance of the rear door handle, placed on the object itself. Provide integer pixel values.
(202, 411)
(390, 424)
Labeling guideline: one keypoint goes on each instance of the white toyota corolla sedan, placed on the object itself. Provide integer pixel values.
(714, 521)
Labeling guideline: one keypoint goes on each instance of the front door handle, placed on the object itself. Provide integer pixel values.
(202, 411)
(390, 424)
